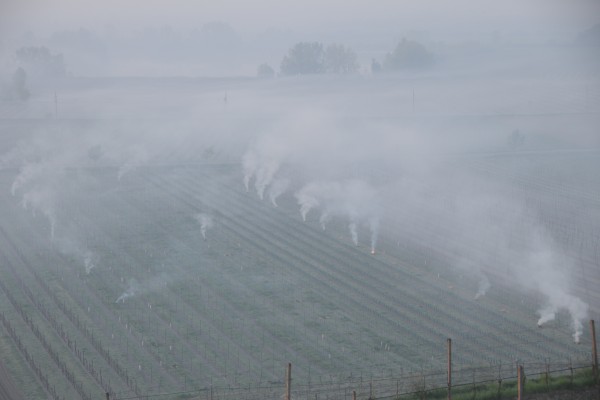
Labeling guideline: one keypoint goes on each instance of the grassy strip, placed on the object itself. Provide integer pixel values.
(579, 380)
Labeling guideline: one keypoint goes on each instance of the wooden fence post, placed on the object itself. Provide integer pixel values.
(288, 382)
(107, 396)
(449, 369)
(354, 395)
(547, 377)
(520, 382)
(594, 350)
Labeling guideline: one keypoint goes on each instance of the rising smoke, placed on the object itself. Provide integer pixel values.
(353, 200)
(205, 221)
(135, 288)
(277, 188)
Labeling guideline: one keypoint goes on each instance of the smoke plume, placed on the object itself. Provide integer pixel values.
(205, 221)
(277, 188)
(353, 200)
(135, 288)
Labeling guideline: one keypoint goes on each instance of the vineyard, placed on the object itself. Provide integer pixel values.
(172, 277)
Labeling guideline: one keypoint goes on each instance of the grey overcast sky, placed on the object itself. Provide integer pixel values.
(305, 15)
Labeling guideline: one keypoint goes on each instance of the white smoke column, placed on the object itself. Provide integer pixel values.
(546, 272)
(325, 218)
(306, 204)
(129, 292)
(264, 175)
(68, 244)
(205, 221)
(139, 157)
(374, 225)
(576, 308)
(547, 314)
(314, 194)
(26, 174)
(306, 200)
(89, 261)
(352, 199)
(353, 232)
(249, 165)
(579, 312)
(49, 162)
(152, 284)
(263, 159)
(36, 181)
(277, 188)
(44, 202)
(484, 286)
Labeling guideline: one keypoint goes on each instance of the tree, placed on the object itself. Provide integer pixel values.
(408, 54)
(39, 61)
(19, 87)
(375, 66)
(589, 37)
(16, 87)
(265, 71)
(304, 58)
(340, 59)
(516, 139)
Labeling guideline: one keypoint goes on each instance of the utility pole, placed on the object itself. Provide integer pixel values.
(449, 369)
(288, 382)
(520, 392)
(594, 350)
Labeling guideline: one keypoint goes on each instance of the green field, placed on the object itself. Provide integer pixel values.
(264, 288)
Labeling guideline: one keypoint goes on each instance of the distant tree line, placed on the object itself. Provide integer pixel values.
(308, 58)
(16, 87)
(39, 61)
(313, 58)
(35, 62)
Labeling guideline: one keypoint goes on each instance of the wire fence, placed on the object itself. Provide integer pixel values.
(409, 385)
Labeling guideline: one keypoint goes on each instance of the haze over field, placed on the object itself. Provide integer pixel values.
(214, 189)
(185, 37)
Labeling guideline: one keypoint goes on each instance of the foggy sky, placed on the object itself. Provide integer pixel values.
(307, 15)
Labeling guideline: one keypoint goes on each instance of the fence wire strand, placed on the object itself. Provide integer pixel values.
(410, 384)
